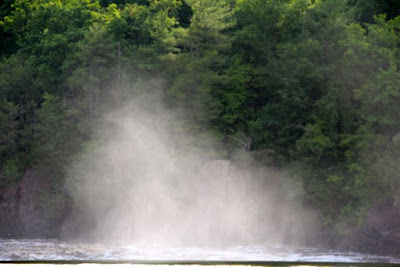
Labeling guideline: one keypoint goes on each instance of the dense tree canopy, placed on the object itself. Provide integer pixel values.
(315, 84)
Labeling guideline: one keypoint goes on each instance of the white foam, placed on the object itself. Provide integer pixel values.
(42, 249)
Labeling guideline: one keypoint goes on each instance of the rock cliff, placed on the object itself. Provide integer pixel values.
(23, 208)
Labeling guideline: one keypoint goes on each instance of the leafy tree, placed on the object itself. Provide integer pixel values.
(367, 9)
(95, 67)
(47, 31)
(312, 85)
(201, 59)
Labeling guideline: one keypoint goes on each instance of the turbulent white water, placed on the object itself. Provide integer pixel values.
(42, 249)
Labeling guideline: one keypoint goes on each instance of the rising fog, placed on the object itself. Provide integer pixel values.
(141, 181)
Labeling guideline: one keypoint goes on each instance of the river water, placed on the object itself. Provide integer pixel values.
(48, 249)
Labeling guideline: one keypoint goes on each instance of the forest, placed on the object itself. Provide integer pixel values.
(306, 86)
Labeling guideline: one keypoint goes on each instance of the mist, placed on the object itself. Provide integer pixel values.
(143, 182)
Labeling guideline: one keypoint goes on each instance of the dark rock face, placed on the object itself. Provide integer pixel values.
(380, 233)
(382, 228)
(9, 211)
(22, 212)
(385, 220)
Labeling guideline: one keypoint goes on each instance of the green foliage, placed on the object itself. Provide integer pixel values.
(366, 9)
(315, 142)
(8, 126)
(313, 85)
(11, 172)
(50, 129)
(196, 66)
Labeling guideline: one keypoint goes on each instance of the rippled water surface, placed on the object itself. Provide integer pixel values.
(41, 249)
